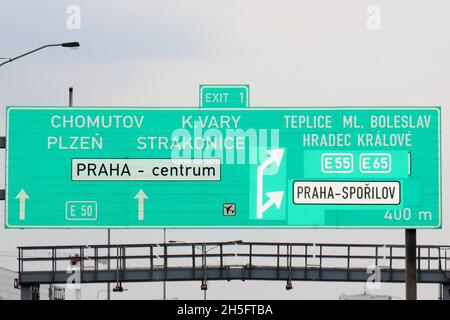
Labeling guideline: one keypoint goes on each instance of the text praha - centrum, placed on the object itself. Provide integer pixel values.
(236, 136)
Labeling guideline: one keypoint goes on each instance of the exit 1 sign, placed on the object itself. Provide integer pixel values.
(224, 96)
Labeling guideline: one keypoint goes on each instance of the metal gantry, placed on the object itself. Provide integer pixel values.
(233, 260)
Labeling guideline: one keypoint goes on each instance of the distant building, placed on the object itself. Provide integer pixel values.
(56, 292)
(367, 296)
(7, 290)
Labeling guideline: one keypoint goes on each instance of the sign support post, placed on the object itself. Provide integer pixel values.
(2, 146)
(410, 264)
(165, 265)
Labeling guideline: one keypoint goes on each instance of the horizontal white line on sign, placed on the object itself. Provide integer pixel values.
(346, 192)
(146, 169)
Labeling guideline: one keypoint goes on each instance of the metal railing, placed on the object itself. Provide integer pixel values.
(228, 254)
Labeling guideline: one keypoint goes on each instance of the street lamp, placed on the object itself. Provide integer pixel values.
(64, 45)
(70, 44)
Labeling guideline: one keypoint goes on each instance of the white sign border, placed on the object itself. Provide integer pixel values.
(409, 108)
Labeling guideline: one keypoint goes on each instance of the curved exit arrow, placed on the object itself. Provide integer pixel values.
(275, 198)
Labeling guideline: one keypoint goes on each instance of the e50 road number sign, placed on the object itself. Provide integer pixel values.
(341, 167)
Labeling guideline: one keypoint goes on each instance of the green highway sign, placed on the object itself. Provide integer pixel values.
(224, 96)
(321, 167)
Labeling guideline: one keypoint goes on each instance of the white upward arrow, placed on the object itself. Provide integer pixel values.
(22, 196)
(141, 197)
(275, 155)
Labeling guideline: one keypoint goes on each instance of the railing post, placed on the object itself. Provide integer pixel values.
(19, 260)
(81, 258)
(53, 263)
(439, 259)
(390, 263)
(165, 261)
(306, 261)
(446, 259)
(348, 262)
(96, 258)
(124, 260)
(320, 261)
(204, 263)
(193, 257)
(221, 256)
(320, 258)
(278, 260)
(390, 257)
(81, 263)
(117, 261)
(348, 257)
(376, 256)
(250, 255)
(287, 256)
(52, 259)
(289, 283)
(290, 257)
(151, 257)
(418, 257)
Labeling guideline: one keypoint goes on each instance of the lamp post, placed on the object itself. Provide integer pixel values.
(165, 266)
(64, 45)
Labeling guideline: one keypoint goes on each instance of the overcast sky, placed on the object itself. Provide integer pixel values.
(292, 53)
